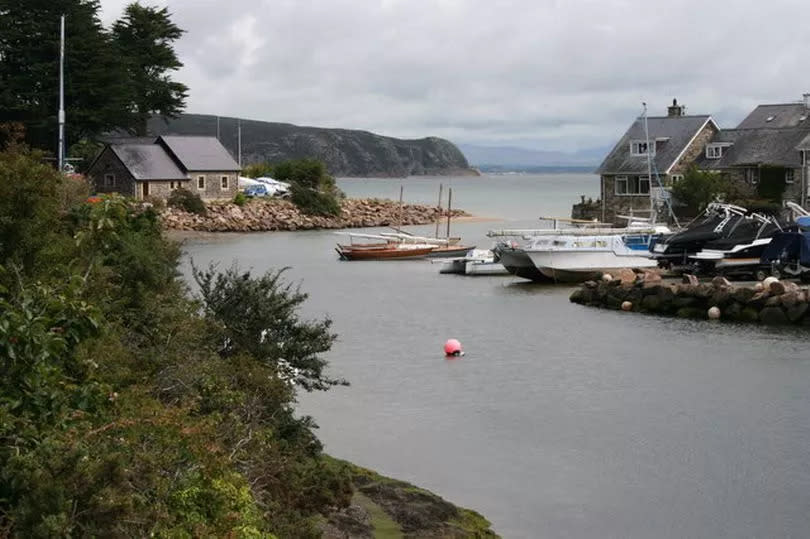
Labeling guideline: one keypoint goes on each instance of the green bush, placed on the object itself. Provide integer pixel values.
(314, 202)
(240, 199)
(187, 201)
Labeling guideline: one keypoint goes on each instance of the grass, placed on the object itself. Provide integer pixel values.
(384, 526)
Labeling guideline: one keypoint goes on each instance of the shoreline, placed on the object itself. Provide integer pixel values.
(261, 215)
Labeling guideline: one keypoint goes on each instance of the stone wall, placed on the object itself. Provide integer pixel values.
(213, 189)
(108, 163)
(274, 214)
(694, 150)
(770, 302)
(614, 204)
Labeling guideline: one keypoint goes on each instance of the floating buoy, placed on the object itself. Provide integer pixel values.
(452, 348)
(767, 282)
(607, 277)
(758, 287)
(626, 306)
(714, 313)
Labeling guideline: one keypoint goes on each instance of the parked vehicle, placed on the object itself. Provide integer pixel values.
(257, 190)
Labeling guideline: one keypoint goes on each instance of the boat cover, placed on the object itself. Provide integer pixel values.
(788, 246)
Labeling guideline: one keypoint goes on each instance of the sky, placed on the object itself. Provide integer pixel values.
(562, 75)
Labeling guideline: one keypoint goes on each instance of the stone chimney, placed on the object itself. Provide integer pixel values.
(806, 100)
(675, 110)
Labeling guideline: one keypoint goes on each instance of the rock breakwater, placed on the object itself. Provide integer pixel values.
(770, 302)
(273, 214)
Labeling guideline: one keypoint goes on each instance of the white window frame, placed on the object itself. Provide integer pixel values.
(622, 179)
(636, 148)
(644, 179)
(714, 151)
(200, 183)
(675, 178)
(109, 180)
(790, 175)
(752, 176)
(224, 183)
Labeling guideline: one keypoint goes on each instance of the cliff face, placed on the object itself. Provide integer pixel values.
(345, 152)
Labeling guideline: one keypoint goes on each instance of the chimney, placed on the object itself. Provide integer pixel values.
(675, 110)
(806, 100)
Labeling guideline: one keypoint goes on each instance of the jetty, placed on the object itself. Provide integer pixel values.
(770, 302)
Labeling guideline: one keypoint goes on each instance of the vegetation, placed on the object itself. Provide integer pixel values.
(187, 201)
(129, 409)
(240, 199)
(144, 38)
(312, 189)
(699, 188)
(113, 80)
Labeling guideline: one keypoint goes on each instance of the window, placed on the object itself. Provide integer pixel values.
(632, 185)
(639, 147)
(714, 151)
(752, 175)
(109, 180)
(223, 183)
(201, 182)
(789, 175)
(676, 178)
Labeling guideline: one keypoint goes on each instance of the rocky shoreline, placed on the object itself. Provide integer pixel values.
(261, 215)
(770, 302)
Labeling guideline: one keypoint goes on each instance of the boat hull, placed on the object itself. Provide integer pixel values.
(485, 268)
(450, 251)
(383, 254)
(518, 263)
(578, 266)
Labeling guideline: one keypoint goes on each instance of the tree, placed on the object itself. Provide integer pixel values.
(96, 93)
(699, 188)
(144, 37)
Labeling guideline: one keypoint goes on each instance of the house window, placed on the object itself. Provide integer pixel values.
(752, 175)
(676, 178)
(223, 183)
(789, 175)
(632, 185)
(714, 151)
(639, 147)
(201, 182)
(109, 180)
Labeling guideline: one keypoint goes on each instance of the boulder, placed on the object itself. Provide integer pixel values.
(690, 312)
(721, 282)
(773, 316)
(797, 312)
(625, 275)
(690, 279)
(776, 288)
(748, 314)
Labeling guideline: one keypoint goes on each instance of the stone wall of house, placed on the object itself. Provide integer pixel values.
(793, 191)
(161, 188)
(108, 163)
(694, 150)
(213, 185)
(614, 204)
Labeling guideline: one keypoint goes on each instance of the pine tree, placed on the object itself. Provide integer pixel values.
(144, 38)
(96, 94)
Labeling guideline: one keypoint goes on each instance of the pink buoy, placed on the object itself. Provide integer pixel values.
(452, 348)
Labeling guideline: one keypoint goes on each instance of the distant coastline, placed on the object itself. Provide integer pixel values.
(540, 169)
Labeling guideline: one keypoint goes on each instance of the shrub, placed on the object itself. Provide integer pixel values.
(240, 199)
(314, 202)
(187, 201)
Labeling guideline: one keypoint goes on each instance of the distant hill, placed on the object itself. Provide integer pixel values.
(345, 152)
(493, 158)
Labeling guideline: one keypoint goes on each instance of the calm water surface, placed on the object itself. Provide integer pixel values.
(561, 421)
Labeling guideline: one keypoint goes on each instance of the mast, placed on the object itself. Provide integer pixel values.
(217, 127)
(401, 188)
(239, 139)
(649, 163)
(440, 210)
(449, 206)
(61, 149)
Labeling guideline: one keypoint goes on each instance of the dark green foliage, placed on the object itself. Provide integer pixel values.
(258, 170)
(86, 151)
(96, 93)
(240, 199)
(313, 190)
(258, 316)
(187, 201)
(698, 188)
(144, 37)
(125, 411)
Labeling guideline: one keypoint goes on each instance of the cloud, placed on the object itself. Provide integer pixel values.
(554, 75)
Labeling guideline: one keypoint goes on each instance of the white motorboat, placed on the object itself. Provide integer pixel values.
(476, 262)
(574, 257)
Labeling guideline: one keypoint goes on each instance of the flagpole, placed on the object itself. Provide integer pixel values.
(61, 156)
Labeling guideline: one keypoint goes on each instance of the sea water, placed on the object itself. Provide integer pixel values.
(560, 420)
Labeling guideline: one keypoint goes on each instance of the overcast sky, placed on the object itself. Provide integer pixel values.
(539, 74)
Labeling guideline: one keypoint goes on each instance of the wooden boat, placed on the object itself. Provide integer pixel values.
(398, 251)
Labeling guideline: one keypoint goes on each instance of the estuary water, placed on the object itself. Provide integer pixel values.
(560, 420)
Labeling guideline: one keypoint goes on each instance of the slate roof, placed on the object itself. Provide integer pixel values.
(148, 162)
(199, 153)
(757, 146)
(678, 130)
(782, 116)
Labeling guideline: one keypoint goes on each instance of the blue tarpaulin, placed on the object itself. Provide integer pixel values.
(788, 247)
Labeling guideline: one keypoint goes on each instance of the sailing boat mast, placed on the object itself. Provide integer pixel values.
(439, 218)
(649, 163)
(449, 209)
(61, 150)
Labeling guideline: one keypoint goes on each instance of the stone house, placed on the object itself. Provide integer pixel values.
(675, 141)
(143, 168)
(767, 154)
